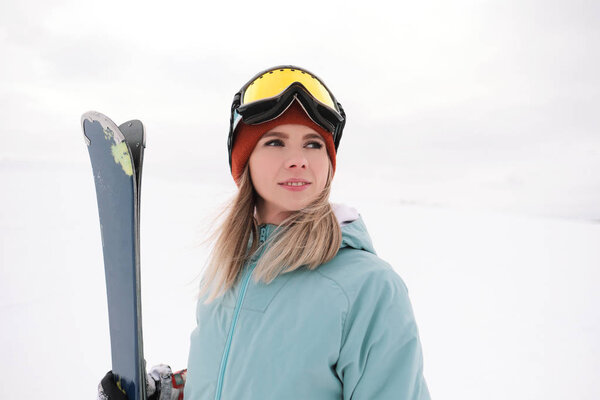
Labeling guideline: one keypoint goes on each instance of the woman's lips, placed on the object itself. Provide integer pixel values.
(295, 186)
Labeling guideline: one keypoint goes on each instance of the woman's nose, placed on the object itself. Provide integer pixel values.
(296, 159)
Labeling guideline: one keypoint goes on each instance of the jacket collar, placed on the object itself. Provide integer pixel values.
(259, 295)
(354, 231)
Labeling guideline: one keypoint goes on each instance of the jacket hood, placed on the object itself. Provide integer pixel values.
(354, 230)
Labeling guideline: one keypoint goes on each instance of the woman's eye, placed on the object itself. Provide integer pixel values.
(279, 142)
(275, 142)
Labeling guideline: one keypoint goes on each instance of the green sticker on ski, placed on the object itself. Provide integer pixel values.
(120, 152)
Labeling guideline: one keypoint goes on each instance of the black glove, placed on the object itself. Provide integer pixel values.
(108, 389)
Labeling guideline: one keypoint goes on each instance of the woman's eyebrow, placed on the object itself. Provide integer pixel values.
(313, 136)
(286, 136)
(276, 134)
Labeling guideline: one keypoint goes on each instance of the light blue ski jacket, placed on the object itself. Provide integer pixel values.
(345, 330)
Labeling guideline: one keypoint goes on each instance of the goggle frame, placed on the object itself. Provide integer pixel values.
(267, 109)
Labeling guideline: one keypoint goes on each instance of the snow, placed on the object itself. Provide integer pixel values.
(506, 303)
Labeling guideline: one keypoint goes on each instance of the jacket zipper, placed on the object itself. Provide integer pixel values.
(246, 280)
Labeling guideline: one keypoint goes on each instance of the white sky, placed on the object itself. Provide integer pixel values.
(475, 104)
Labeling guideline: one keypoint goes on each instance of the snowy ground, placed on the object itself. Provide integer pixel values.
(507, 304)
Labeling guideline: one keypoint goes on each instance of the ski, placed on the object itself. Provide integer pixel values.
(116, 153)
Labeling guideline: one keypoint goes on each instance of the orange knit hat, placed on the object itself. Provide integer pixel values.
(248, 135)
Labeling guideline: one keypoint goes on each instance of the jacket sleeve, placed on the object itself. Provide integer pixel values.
(380, 354)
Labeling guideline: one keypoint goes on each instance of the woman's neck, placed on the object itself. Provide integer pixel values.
(264, 215)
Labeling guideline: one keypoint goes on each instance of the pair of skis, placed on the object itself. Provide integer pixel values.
(116, 153)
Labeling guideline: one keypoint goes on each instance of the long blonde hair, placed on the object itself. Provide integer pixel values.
(309, 237)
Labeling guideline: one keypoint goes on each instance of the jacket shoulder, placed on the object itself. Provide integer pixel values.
(380, 353)
(358, 272)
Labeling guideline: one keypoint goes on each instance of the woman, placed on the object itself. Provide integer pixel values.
(295, 303)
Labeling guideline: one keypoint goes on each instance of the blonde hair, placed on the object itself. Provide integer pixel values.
(309, 237)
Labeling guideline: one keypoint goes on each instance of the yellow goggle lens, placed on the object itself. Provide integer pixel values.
(276, 81)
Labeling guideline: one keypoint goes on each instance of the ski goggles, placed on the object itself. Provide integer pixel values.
(269, 93)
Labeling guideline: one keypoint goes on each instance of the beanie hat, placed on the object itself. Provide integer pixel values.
(248, 135)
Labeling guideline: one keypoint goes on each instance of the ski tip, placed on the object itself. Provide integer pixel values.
(92, 116)
(89, 116)
(137, 126)
(104, 121)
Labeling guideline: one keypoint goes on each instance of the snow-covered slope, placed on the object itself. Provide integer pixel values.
(507, 305)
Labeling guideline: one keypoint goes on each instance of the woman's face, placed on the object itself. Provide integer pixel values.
(285, 154)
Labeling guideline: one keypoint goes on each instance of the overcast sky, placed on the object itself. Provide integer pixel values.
(489, 104)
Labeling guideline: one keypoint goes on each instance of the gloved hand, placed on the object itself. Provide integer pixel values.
(161, 384)
(108, 389)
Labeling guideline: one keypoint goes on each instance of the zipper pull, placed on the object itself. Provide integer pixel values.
(262, 238)
(263, 234)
